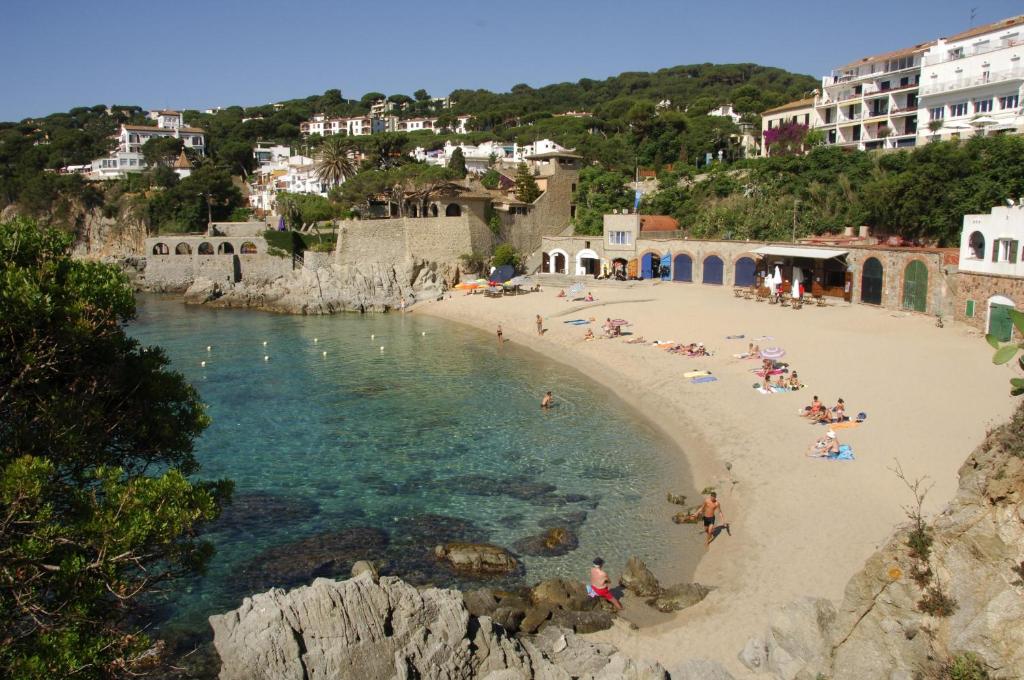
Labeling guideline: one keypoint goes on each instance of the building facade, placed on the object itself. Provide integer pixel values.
(991, 267)
(798, 112)
(128, 157)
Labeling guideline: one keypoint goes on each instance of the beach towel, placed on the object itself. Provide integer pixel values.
(845, 453)
(577, 322)
(734, 337)
(696, 374)
(704, 379)
(663, 345)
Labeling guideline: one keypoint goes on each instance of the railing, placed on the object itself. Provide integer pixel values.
(933, 59)
(976, 81)
(829, 81)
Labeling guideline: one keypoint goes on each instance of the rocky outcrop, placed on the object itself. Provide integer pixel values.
(362, 630)
(477, 559)
(638, 579)
(913, 610)
(371, 287)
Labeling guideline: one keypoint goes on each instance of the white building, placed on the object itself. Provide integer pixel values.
(726, 111)
(971, 82)
(991, 244)
(270, 153)
(127, 157)
(798, 113)
(282, 172)
(354, 126)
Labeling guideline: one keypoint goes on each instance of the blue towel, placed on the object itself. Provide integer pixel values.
(704, 379)
(845, 453)
(577, 322)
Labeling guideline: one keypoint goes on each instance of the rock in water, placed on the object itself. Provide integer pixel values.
(639, 579)
(361, 630)
(552, 543)
(362, 566)
(677, 597)
(477, 559)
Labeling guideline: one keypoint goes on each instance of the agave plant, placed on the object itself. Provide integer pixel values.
(1006, 352)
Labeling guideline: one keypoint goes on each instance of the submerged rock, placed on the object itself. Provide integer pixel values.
(551, 543)
(251, 510)
(477, 559)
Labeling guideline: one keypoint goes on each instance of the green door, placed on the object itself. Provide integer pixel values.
(999, 322)
(915, 287)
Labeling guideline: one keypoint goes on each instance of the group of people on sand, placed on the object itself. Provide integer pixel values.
(817, 412)
(589, 297)
(694, 349)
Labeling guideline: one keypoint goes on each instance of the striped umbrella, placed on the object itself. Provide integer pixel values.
(773, 353)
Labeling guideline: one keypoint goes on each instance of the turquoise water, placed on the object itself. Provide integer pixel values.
(383, 453)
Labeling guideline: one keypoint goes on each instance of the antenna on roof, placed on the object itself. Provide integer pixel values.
(974, 13)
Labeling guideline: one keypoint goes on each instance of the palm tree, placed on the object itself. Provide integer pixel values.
(333, 164)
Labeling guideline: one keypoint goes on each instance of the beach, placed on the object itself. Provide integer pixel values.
(799, 526)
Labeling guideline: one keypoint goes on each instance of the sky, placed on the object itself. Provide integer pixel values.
(189, 54)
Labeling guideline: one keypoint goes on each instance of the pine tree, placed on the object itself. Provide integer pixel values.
(457, 163)
(527, 190)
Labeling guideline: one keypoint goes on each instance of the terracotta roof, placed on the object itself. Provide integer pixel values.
(798, 104)
(658, 223)
(153, 128)
(168, 112)
(922, 47)
(182, 162)
(988, 28)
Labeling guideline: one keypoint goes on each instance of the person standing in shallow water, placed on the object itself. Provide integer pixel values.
(499, 335)
(546, 402)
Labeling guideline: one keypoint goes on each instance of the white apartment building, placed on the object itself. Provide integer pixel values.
(354, 126)
(799, 112)
(127, 157)
(294, 174)
(971, 82)
(726, 111)
(991, 244)
(872, 103)
(478, 157)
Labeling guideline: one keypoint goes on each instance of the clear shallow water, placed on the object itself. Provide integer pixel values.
(397, 447)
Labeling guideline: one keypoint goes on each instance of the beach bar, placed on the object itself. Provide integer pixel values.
(824, 272)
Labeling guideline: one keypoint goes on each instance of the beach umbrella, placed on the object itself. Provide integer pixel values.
(467, 285)
(618, 322)
(576, 289)
(502, 273)
(773, 353)
(521, 281)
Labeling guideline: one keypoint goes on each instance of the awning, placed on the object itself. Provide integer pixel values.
(798, 251)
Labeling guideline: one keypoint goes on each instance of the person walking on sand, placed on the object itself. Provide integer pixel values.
(540, 325)
(708, 510)
(600, 584)
(547, 400)
(499, 335)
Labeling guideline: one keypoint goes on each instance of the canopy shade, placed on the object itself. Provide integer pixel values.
(798, 251)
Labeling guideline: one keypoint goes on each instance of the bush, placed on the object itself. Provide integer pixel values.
(936, 603)
(505, 254)
(965, 667)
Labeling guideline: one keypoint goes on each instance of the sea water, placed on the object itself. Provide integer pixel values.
(357, 422)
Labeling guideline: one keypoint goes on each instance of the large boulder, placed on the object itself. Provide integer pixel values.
(477, 559)
(361, 630)
(680, 596)
(561, 593)
(638, 579)
(551, 543)
(203, 290)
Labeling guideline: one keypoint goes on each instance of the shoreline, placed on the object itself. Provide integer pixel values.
(800, 527)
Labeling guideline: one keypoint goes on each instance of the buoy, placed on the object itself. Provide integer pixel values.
(266, 357)
(372, 336)
(423, 333)
(315, 340)
(382, 348)
(203, 364)
(208, 348)
(264, 343)
(325, 353)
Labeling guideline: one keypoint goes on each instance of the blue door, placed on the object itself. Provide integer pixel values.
(713, 270)
(682, 269)
(647, 266)
(744, 272)
(666, 267)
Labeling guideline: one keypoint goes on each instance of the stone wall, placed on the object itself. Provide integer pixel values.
(549, 215)
(175, 273)
(979, 288)
(399, 240)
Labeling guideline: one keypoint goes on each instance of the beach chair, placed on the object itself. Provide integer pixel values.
(820, 301)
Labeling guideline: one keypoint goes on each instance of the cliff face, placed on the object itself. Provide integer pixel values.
(909, 613)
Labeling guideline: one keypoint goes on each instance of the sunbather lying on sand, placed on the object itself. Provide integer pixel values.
(636, 341)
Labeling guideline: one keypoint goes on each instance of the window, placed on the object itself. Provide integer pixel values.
(982, 105)
(976, 245)
(969, 312)
(938, 113)
(957, 53)
(959, 109)
(1005, 250)
(619, 238)
(1010, 101)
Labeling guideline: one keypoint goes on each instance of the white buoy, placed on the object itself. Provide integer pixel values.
(372, 336)
(203, 364)
(208, 348)
(316, 340)
(424, 333)
(266, 357)
(264, 343)
(325, 353)
(382, 348)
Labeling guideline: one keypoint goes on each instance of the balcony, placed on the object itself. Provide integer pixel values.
(967, 83)
(932, 60)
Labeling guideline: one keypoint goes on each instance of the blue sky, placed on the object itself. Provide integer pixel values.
(188, 54)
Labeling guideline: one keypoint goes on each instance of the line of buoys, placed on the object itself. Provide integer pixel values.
(208, 348)
(266, 357)
(203, 364)
(264, 343)
(325, 353)
(382, 348)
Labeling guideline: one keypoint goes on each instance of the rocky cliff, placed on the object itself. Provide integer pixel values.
(372, 287)
(945, 600)
(368, 629)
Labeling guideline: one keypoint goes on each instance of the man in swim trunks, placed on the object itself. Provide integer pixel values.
(540, 325)
(600, 584)
(499, 334)
(708, 509)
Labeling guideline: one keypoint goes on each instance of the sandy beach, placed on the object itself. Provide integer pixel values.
(800, 526)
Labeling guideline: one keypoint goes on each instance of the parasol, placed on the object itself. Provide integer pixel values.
(773, 353)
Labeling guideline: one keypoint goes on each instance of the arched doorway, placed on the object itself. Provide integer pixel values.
(745, 267)
(205, 248)
(248, 248)
(161, 249)
(453, 210)
(414, 210)
(1000, 324)
(976, 246)
(682, 268)
(558, 262)
(225, 248)
(713, 270)
(545, 263)
(666, 267)
(588, 263)
(183, 249)
(647, 262)
(619, 267)
(871, 282)
(915, 286)
(433, 209)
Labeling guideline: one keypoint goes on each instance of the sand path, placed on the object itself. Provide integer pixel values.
(799, 526)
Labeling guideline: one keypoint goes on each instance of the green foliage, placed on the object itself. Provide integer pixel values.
(505, 254)
(334, 163)
(368, 186)
(207, 194)
(491, 179)
(95, 453)
(526, 189)
(457, 163)
(285, 243)
(598, 193)
(965, 667)
(1004, 353)
(161, 150)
